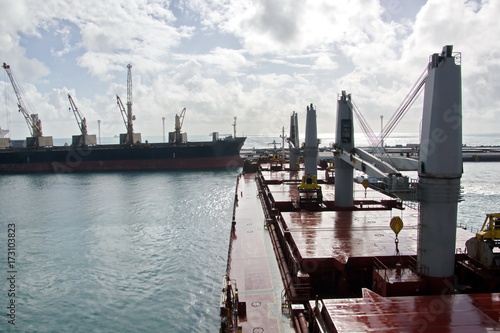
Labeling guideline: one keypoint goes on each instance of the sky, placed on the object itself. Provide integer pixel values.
(255, 60)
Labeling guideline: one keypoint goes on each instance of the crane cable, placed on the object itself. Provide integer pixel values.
(404, 106)
(370, 135)
(376, 140)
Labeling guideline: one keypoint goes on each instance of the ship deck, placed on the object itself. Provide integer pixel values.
(435, 313)
(340, 235)
(337, 252)
(252, 264)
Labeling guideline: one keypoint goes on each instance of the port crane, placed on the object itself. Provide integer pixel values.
(81, 121)
(32, 120)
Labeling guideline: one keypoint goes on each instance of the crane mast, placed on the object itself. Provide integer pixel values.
(128, 118)
(32, 120)
(130, 128)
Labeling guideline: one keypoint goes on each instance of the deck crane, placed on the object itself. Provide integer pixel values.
(34, 123)
(84, 139)
(179, 120)
(82, 122)
(127, 115)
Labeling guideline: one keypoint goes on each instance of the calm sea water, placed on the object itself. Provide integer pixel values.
(137, 251)
(116, 252)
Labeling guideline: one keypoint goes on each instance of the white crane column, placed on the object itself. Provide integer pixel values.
(311, 143)
(440, 169)
(344, 140)
(293, 142)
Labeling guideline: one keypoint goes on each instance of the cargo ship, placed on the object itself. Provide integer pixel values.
(219, 153)
(310, 250)
(38, 153)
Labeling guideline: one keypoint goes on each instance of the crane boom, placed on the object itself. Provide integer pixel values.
(32, 120)
(81, 121)
(122, 110)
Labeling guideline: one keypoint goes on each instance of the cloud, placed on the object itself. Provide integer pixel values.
(324, 61)
(276, 20)
(227, 60)
(257, 60)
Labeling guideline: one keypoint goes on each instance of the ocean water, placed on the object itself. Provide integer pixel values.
(116, 252)
(139, 251)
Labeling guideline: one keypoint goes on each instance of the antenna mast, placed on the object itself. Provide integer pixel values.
(234, 128)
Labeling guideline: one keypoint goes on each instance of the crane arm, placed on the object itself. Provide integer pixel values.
(122, 110)
(81, 121)
(32, 120)
(183, 113)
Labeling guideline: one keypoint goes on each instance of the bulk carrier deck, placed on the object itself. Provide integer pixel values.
(345, 259)
(311, 251)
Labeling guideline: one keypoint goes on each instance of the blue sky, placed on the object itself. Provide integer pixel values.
(256, 60)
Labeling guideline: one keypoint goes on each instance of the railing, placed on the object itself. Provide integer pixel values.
(233, 224)
(288, 263)
(229, 306)
(407, 263)
(379, 265)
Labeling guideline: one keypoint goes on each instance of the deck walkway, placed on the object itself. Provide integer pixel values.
(253, 264)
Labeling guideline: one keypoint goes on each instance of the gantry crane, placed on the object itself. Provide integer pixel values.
(32, 120)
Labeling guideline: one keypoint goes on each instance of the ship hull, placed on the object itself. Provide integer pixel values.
(194, 155)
